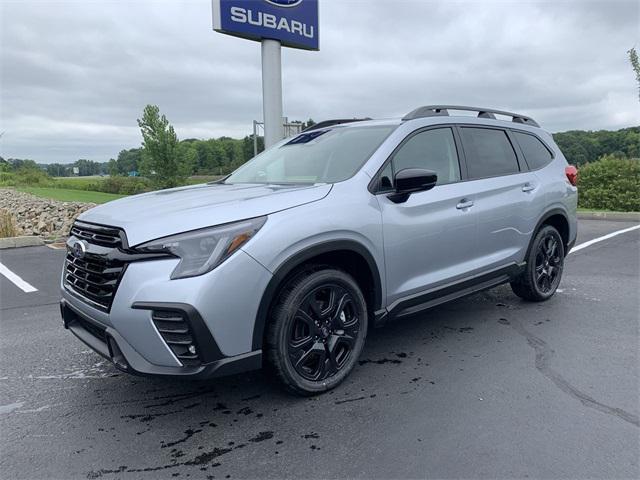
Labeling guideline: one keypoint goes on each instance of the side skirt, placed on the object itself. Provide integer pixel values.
(430, 298)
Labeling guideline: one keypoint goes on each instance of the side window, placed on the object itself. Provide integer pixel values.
(432, 150)
(535, 153)
(489, 152)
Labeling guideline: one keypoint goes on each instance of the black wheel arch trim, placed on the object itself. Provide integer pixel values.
(299, 258)
(546, 216)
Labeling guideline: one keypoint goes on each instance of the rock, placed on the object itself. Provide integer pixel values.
(40, 216)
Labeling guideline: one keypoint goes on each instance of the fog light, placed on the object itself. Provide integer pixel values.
(192, 349)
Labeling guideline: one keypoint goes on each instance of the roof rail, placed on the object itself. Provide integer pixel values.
(443, 110)
(331, 123)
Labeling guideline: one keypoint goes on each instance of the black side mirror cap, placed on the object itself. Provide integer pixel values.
(411, 180)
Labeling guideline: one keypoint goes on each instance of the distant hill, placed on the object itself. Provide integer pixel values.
(580, 146)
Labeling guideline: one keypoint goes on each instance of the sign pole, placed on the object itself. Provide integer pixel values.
(272, 91)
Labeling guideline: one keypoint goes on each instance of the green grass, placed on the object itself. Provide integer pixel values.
(67, 195)
(78, 180)
(597, 210)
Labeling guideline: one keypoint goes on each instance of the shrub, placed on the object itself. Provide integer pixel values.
(7, 179)
(610, 184)
(31, 177)
(123, 185)
(7, 225)
(115, 184)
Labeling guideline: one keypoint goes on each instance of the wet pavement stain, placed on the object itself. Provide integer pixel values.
(147, 417)
(459, 330)
(382, 361)
(205, 458)
(262, 436)
(357, 399)
(188, 434)
(254, 397)
(199, 460)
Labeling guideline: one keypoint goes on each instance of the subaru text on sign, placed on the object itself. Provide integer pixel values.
(294, 23)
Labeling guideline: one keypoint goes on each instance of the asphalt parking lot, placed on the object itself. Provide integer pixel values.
(485, 387)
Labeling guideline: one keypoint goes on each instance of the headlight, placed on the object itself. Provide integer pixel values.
(200, 251)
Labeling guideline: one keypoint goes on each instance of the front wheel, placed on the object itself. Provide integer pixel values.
(317, 330)
(545, 264)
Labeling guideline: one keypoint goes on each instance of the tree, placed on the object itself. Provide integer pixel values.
(635, 64)
(112, 167)
(580, 147)
(160, 156)
(57, 170)
(128, 161)
(19, 163)
(87, 167)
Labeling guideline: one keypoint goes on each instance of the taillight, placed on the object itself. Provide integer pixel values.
(572, 174)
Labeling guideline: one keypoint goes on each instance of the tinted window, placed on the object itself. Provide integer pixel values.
(535, 153)
(432, 150)
(489, 152)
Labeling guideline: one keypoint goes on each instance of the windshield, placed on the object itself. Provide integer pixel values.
(318, 156)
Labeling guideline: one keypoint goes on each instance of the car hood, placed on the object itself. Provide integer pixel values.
(166, 212)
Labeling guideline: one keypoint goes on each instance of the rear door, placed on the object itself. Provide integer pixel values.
(430, 238)
(506, 195)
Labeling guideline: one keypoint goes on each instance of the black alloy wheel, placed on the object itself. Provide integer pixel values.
(544, 266)
(323, 332)
(317, 330)
(548, 264)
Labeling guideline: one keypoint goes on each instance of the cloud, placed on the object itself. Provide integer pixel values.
(76, 74)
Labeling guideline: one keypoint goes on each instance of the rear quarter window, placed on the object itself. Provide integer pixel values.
(536, 154)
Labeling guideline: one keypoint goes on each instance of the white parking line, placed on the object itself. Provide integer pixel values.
(600, 239)
(16, 280)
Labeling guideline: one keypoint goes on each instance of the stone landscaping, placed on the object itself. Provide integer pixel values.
(50, 219)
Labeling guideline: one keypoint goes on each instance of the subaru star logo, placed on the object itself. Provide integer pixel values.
(284, 3)
(79, 249)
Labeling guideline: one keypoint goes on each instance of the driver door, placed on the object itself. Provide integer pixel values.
(430, 239)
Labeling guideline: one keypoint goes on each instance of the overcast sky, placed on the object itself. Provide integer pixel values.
(76, 74)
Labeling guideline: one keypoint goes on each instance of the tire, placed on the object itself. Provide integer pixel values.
(317, 330)
(545, 263)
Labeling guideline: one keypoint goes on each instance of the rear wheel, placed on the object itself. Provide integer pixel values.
(545, 264)
(317, 330)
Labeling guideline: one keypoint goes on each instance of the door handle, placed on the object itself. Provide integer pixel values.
(527, 187)
(464, 203)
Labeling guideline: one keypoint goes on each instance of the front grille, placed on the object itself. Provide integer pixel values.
(175, 331)
(94, 277)
(98, 235)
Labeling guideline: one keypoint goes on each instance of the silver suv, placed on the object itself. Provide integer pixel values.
(291, 259)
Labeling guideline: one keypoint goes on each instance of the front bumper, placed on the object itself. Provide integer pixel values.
(219, 308)
(111, 345)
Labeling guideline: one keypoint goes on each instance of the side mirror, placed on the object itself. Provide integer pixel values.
(411, 180)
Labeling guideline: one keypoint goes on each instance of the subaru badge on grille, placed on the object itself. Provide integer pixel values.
(79, 249)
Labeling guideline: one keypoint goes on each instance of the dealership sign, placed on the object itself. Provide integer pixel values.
(294, 23)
